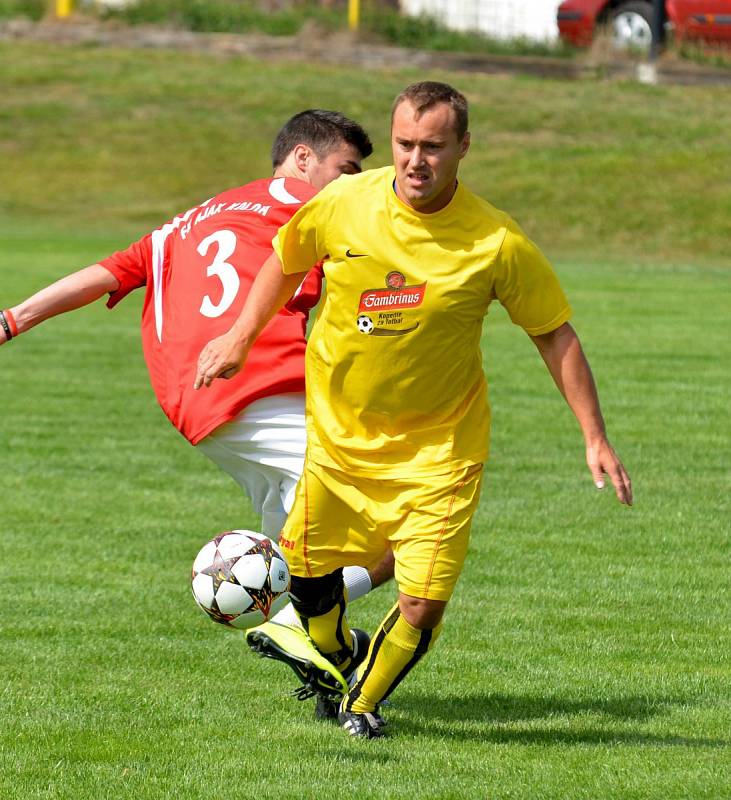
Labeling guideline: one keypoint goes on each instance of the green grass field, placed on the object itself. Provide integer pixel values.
(586, 652)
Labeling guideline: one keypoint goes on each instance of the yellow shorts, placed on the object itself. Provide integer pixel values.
(340, 520)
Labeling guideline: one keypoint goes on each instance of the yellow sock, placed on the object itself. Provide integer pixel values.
(395, 650)
(331, 634)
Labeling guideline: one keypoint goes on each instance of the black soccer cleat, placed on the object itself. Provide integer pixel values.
(368, 725)
(326, 709)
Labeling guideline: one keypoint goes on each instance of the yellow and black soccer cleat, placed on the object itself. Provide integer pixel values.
(293, 646)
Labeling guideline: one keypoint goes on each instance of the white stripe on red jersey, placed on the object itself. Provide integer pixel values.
(198, 269)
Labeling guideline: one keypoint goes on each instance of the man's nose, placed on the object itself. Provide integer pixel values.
(417, 157)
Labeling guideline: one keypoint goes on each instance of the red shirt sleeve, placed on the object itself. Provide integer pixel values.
(308, 294)
(131, 267)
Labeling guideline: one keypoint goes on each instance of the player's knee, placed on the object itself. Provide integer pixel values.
(313, 597)
(421, 613)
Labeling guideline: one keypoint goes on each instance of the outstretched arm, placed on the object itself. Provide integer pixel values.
(74, 291)
(562, 353)
(224, 356)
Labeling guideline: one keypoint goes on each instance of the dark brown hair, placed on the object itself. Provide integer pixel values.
(323, 131)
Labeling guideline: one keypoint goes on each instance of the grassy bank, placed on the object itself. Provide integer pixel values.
(106, 138)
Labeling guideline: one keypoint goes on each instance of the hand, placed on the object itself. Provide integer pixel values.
(602, 460)
(222, 357)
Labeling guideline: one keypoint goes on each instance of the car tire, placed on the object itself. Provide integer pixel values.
(631, 26)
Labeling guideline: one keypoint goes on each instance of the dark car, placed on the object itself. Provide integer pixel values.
(630, 21)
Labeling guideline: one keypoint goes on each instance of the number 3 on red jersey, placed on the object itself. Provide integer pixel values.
(225, 242)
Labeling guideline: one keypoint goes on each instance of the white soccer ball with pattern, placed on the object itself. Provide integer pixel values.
(240, 579)
(364, 323)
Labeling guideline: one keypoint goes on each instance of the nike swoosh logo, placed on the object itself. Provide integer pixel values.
(355, 255)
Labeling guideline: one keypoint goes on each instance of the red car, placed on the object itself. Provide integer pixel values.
(630, 21)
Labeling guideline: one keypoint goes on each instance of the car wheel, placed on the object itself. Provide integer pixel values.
(631, 25)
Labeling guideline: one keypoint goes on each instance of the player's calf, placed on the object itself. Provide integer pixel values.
(326, 707)
(320, 604)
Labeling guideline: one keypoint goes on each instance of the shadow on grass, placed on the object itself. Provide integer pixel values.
(433, 715)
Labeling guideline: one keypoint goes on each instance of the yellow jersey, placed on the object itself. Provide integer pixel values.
(395, 383)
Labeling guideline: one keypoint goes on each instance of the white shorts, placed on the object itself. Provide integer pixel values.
(263, 450)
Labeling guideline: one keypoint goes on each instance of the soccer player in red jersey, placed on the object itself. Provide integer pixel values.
(197, 270)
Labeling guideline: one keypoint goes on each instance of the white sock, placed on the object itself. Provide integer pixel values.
(357, 581)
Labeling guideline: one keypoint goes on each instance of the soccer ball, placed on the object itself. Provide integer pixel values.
(365, 323)
(240, 579)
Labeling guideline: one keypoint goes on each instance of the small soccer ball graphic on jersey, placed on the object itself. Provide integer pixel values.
(365, 323)
(240, 579)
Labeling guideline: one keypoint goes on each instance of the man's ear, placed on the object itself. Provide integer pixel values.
(465, 146)
(302, 156)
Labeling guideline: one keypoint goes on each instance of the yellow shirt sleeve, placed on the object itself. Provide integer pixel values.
(301, 242)
(526, 285)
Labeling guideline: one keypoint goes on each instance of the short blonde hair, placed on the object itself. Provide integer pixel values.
(427, 94)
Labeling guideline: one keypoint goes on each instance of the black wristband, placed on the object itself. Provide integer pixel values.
(4, 325)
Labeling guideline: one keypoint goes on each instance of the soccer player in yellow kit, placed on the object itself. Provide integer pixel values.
(397, 412)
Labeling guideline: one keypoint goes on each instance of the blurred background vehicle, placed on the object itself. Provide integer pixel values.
(629, 22)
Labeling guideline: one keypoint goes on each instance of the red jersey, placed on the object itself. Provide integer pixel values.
(198, 269)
